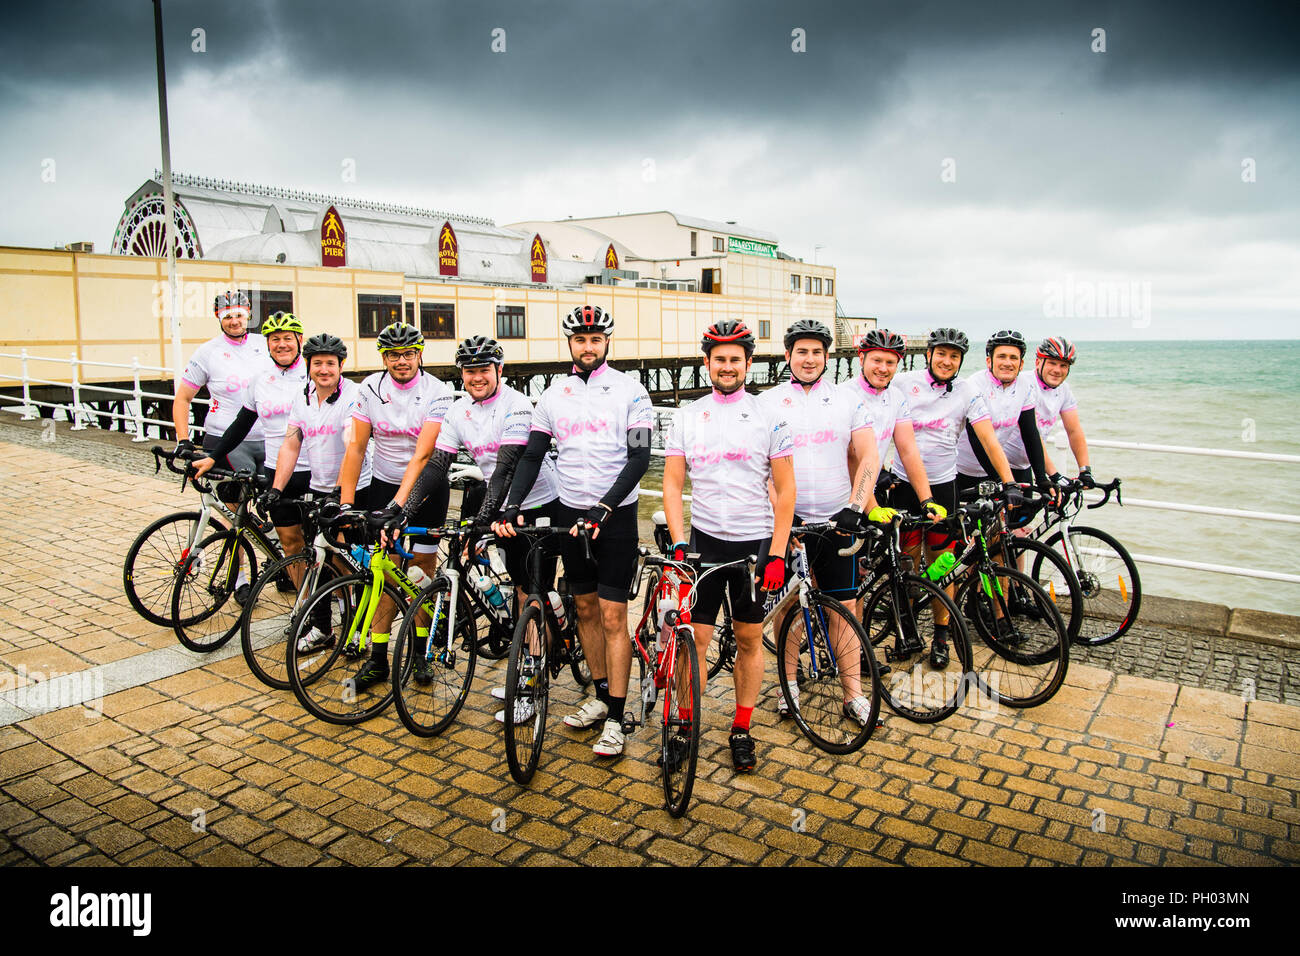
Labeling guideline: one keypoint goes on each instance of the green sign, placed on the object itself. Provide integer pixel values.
(751, 247)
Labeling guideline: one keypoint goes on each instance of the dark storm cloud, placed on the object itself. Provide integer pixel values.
(703, 58)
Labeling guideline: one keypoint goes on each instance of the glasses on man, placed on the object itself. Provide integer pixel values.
(408, 355)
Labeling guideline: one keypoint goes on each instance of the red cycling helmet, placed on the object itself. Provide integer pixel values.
(728, 332)
(1057, 347)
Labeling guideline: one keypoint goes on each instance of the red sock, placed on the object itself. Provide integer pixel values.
(743, 717)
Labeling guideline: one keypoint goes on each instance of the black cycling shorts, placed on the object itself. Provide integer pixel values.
(904, 499)
(609, 573)
(835, 574)
(286, 514)
(431, 514)
(515, 552)
(708, 596)
(1024, 476)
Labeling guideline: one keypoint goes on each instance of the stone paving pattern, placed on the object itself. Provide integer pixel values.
(207, 766)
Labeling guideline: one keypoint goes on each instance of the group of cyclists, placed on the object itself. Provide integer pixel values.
(805, 450)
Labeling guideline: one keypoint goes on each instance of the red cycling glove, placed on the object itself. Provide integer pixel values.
(773, 574)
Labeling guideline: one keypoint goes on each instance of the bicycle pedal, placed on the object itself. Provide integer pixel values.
(447, 658)
(629, 725)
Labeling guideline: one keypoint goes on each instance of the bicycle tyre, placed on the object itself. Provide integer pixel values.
(910, 687)
(204, 613)
(681, 694)
(314, 674)
(149, 569)
(428, 709)
(271, 617)
(1051, 572)
(524, 740)
(1030, 664)
(721, 654)
(819, 710)
(1102, 606)
(579, 666)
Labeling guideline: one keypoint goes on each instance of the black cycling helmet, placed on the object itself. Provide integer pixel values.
(324, 344)
(728, 332)
(399, 335)
(953, 337)
(808, 329)
(588, 318)
(478, 350)
(229, 302)
(1005, 337)
(884, 340)
(1057, 347)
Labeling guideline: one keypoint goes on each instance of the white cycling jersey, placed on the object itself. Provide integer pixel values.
(482, 428)
(822, 421)
(1005, 403)
(226, 367)
(1050, 403)
(938, 415)
(396, 413)
(589, 421)
(326, 430)
(729, 442)
(270, 394)
(885, 406)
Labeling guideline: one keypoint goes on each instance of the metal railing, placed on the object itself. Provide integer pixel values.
(78, 415)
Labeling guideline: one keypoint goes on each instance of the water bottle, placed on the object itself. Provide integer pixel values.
(361, 555)
(940, 566)
(419, 577)
(557, 608)
(496, 601)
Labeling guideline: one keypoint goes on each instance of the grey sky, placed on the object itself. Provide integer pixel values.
(1071, 167)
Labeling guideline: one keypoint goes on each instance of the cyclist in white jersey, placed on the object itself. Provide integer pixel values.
(939, 406)
(879, 354)
(267, 401)
(1057, 403)
(731, 444)
(226, 365)
(601, 421)
(831, 427)
(390, 414)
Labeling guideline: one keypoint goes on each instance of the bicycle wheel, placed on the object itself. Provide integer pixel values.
(579, 666)
(822, 662)
(1051, 572)
(321, 676)
(721, 654)
(681, 723)
(1108, 583)
(204, 611)
(899, 618)
(1022, 654)
(151, 563)
(436, 669)
(528, 683)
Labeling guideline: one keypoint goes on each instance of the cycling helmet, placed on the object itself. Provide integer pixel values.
(281, 322)
(324, 344)
(1057, 347)
(728, 332)
(399, 335)
(588, 318)
(230, 302)
(951, 337)
(1005, 337)
(479, 350)
(808, 329)
(884, 340)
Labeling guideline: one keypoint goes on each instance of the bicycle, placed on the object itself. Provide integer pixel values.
(1096, 558)
(206, 604)
(544, 643)
(819, 665)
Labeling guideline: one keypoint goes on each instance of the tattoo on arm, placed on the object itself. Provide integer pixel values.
(294, 432)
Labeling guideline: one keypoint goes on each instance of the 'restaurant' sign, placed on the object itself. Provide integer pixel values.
(333, 240)
(448, 251)
(611, 257)
(537, 257)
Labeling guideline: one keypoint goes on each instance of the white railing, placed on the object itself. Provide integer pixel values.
(77, 415)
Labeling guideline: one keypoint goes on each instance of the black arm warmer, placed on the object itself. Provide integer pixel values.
(1033, 440)
(433, 475)
(237, 432)
(981, 455)
(638, 461)
(539, 443)
(507, 460)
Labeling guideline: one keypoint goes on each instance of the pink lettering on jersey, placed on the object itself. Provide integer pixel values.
(316, 430)
(932, 423)
(386, 430)
(479, 450)
(814, 438)
(573, 427)
(702, 454)
(271, 409)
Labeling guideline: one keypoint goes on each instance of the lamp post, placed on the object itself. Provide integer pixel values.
(169, 207)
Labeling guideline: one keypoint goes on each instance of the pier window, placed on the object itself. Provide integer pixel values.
(377, 312)
(816, 285)
(268, 302)
(438, 320)
(510, 322)
(764, 328)
(794, 283)
(830, 286)
(719, 244)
